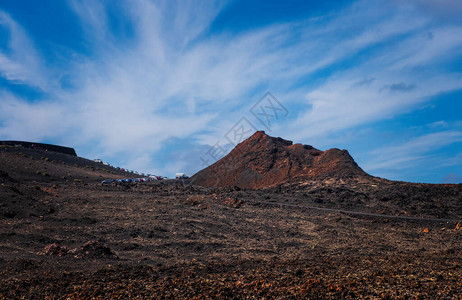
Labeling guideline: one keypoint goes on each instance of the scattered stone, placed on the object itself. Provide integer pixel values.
(91, 249)
(55, 249)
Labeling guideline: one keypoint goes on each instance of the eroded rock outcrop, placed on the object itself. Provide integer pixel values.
(263, 161)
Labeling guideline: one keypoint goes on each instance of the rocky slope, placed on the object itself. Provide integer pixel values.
(262, 161)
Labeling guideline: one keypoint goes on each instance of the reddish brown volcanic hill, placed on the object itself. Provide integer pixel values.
(262, 161)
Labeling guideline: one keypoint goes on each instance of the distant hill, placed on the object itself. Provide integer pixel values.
(41, 146)
(263, 161)
(34, 162)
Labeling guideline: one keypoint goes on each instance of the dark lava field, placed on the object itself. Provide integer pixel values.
(329, 235)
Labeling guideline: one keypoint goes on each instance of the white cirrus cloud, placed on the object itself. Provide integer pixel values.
(423, 147)
(174, 77)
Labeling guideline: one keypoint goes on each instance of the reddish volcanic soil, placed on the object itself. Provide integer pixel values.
(328, 230)
(262, 161)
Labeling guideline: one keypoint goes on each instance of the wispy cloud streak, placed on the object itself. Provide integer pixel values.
(174, 77)
(405, 155)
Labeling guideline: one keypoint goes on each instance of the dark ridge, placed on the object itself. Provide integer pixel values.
(40, 146)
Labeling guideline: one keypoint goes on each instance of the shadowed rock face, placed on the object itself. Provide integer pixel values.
(262, 161)
(5, 178)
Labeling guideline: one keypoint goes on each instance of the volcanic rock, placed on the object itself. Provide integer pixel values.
(54, 249)
(262, 161)
(91, 249)
(5, 178)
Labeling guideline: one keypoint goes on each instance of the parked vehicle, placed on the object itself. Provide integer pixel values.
(181, 176)
(139, 179)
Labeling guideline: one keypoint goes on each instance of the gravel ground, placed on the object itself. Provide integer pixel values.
(65, 236)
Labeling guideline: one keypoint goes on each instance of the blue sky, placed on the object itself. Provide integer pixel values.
(153, 85)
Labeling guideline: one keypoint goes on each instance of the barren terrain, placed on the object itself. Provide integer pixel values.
(64, 235)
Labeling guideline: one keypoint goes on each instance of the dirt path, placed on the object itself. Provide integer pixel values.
(356, 213)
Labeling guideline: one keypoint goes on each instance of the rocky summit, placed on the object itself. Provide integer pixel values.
(262, 161)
